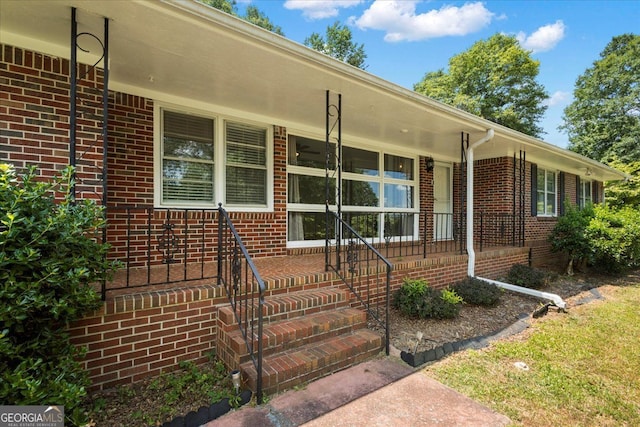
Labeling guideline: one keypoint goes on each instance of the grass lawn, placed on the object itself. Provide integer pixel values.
(583, 367)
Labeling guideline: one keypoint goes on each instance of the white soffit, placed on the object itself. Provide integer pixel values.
(189, 53)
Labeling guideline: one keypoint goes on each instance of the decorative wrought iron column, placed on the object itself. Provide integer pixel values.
(333, 128)
(73, 97)
(464, 145)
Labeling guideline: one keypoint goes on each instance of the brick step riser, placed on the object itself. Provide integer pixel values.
(271, 349)
(276, 310)
(277, 377)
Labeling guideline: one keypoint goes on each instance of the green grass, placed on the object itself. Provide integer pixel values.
(584, 367)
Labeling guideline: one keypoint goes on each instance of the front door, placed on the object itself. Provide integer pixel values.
(442, 202)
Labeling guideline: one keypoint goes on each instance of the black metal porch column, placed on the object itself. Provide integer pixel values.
(333, 120)
(73, 98)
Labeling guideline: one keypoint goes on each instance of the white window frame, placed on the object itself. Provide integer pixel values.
(585, 197)
(220, 164)
(380, 179)
(547, 192)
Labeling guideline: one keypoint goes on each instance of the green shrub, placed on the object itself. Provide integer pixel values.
(614, 236)
(528, 277)
(49, 257)
(569, 236)
(410, 296)
(416, 299)
(478, 292)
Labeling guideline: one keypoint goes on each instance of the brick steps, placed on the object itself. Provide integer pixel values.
(285, 370)
(306, 335)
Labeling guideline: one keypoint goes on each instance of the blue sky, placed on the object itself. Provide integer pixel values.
(404, 39)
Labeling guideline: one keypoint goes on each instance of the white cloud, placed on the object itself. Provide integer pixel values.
(401, 22)
(557, 98)
(544, 38)
(320, 9)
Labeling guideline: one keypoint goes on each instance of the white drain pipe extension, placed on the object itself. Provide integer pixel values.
(556, 299)
(471, 266)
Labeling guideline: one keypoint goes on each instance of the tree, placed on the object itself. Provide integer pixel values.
(256, 17)
(603, 121)
(252, 14)
(338, 43)
(227, 6)
(627, 192)
(494, 79)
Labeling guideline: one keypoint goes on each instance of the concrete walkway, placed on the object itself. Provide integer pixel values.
(382, 392)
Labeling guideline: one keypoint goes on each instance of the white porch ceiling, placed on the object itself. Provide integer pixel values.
(187, 53)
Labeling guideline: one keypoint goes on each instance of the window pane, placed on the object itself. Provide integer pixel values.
(246, 180)
(183, 126)
(398, 224)
(246, 186)
(307, 226)
(551, 204)
(364, 223)
(187, 163)
(360, 161)
(398, 167)
(540, 203)
(540, 180)
(310, 189)
(398, 196)
(310, 153)
(181, 148)
(551, 182)
(360, 193)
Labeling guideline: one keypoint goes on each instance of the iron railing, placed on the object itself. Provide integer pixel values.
(158, 246)
(245, 290)
(363, 269)
(439, 233)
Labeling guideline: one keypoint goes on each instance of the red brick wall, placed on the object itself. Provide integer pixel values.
(34, 117)
(147, 334)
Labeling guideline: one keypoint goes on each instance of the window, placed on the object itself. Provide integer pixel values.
(187, 158)
(378, 191)
(206, 160)
(585, 193)
(546, 192)
(246, 164)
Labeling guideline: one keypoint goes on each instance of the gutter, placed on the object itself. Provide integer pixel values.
(556, 299)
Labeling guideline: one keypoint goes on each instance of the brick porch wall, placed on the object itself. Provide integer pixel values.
(144, 335)
(34, 117)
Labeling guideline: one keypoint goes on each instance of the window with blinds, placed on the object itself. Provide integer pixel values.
(246, 164)
(187, 158)
(191, 173)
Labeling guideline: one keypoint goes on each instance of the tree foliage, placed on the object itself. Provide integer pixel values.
(627, 192)
(49, 256)
(494, 79)
(604, 237)
(603, 121)
(252, 14)
(338, 43)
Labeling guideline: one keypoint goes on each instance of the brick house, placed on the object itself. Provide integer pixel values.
(197, 110)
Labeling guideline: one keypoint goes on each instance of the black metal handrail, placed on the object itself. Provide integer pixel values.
(360, 267)
(245, 290)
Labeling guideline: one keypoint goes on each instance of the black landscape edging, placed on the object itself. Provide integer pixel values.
(437, 353)
(207, 413)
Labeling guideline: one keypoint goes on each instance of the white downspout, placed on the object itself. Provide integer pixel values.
(471, 266)
(470, 251)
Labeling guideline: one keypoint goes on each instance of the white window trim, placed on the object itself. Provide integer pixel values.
(582, 202)
(380, 178)
(555, 207)
(219, 160)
